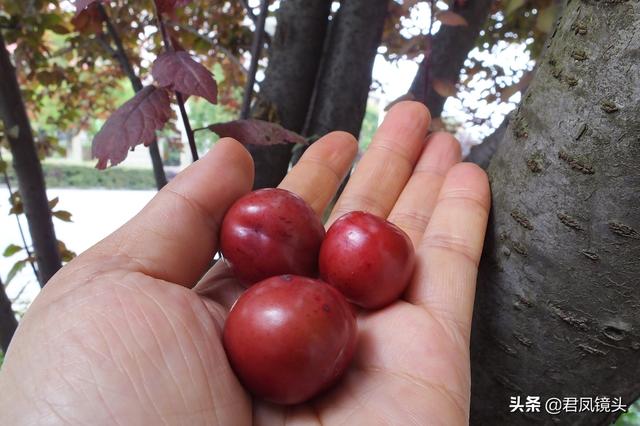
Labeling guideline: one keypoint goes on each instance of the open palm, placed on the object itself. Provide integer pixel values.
(121, 336)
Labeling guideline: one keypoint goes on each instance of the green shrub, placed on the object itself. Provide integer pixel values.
(81, 176)
(630, 418)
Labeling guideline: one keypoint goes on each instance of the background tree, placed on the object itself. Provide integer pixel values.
(32, 193)
(558, 296)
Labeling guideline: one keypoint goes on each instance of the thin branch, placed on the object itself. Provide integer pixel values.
(17, 296)
(100, 39)
(24, 240)
(183, 111)
(187, 127)
(249, 10)
(121, 54)
(256, 50)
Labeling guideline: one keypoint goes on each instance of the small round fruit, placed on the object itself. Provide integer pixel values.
(271, 232)
(289, 338)
(369, 259)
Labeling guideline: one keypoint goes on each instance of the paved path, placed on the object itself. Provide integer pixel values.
(96, 213)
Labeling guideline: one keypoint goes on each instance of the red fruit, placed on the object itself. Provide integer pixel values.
(271, 232)
(289, 338)
(370, 260)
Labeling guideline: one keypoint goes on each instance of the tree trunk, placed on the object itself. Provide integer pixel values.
(289, 80)
(28, 170)
(343, 86)
(8, 322)
(450, 47)
(559, 288)
(482, 153)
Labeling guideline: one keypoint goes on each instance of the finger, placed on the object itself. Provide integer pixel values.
(415, 205)
(388, 163)
(321, 169)
(175, 236)
(315, 178)
(450, 250)
(220, 285)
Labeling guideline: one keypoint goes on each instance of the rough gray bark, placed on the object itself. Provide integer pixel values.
(28, 170)
(343, 86)
(8, 322)
(285, 94)
(450, 48)
(481, 154)
(558, 296)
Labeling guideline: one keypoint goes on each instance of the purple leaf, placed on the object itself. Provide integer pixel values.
(180, 72)
(135, 122)
(448, 17)
(83, 4)
(256, 132)
(169, 6)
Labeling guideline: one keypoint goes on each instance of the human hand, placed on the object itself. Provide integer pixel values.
(120, 336)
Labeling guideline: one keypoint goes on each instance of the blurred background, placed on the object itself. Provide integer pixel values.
(310, 66)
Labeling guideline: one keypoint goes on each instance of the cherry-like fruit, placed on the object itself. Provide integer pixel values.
(369, 259)
(271, 232)
(288, 338)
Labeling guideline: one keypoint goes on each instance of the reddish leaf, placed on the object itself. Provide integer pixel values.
(88, 20)
(180, 72)
(256, 132)
(135, 122)
(83, 4)
(448, 17)
(444, 88)
(169, 6)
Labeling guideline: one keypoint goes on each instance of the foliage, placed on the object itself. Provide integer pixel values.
(137, 120)
(133, 123)
(630, 418)
(511, 22)
(86, 177)
(180, 72)
(369, 125)
(256, 132)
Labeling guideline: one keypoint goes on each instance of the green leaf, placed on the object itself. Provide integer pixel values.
(17, 267)
(3, 166)
(63, 215)
(11, 250)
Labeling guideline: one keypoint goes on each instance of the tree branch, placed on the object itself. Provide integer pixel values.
(8, 322)
(121, 55)
(256, 50)
(183, 111)
(28, 170)
(22, 236)
(250, 13)
(449, 48)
